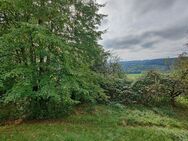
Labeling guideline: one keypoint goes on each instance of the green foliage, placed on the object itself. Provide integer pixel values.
(181, 69)
(148, 88)
(156, 88)
(119, 91)
(48, 50)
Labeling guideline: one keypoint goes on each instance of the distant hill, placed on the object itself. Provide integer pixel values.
(135, 67)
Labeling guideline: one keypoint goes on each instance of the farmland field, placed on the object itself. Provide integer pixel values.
(134, 76)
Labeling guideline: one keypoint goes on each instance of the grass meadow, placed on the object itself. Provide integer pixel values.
(106, 123)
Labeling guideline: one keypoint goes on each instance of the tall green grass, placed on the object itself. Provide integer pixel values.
(106, 123)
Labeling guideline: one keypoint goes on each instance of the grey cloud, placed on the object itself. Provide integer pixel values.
(143, 26)
(125, 42)
(149, 44)
(146, 6)
(144, 40)
(129, 43)
(171, 33)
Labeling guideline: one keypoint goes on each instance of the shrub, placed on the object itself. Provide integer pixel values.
(148, 89)
(119, 90)
(155, 88)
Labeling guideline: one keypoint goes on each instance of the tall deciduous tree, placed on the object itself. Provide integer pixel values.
(48, 49)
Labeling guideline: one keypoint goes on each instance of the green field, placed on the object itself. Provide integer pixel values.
(134, 76)
(106, 123)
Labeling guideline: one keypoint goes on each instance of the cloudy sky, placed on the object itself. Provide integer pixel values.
(145, 29)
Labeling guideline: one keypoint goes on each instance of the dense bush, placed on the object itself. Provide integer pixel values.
(155, 88)
(148, 88)
(119, 90)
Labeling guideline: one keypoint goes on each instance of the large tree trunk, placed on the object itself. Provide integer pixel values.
(173, 102)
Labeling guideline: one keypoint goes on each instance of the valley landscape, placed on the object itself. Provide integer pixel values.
(64, 74)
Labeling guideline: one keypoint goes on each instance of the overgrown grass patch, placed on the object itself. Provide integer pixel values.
(105, 123)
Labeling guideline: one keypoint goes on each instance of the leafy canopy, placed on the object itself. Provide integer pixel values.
(48, 51)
